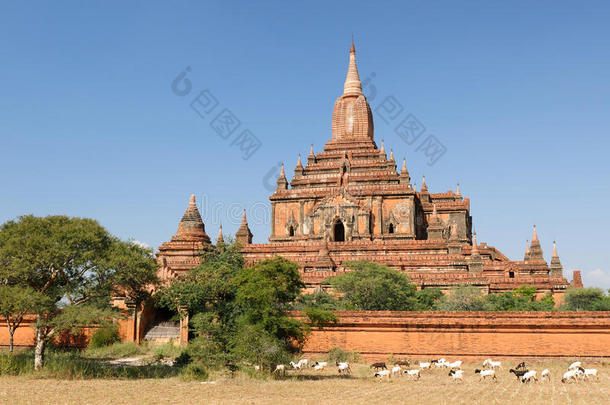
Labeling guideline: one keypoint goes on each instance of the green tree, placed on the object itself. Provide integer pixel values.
(254, 344)
(77, 265)
(264, 293)
(374, 287)
(15, 303)
(464, 298)
(429, 299)
(207, 295)
(586, 299)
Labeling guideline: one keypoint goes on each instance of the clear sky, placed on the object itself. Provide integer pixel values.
(517, 92)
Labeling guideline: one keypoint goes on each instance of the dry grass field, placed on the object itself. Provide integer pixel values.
(309, 387)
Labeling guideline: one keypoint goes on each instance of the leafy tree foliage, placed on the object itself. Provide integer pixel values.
(76, 265)
(265, 292)
(374, 287)
(319, 317)
(470, 298)
(15, 303)
(586, 299)
(464, 298)
(429, 299)
(237, 313)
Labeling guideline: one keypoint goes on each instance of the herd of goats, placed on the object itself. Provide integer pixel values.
(574, 373)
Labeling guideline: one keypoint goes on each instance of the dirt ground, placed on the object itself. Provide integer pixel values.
(310, 387)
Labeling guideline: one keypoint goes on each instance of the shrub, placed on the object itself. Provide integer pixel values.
(195, 371)
(167, 350)
(319, 317)
(104, 336)
(586, 299)
(205, 352)
(374, 287)
(464, 298)
(337, 354)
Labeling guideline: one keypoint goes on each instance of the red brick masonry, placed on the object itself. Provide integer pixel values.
(377, 334)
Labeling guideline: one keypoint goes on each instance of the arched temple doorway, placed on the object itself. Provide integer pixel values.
(339, 232)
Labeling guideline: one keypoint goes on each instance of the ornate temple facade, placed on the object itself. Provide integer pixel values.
(350, 202)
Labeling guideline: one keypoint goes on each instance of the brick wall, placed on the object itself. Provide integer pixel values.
(377, 334)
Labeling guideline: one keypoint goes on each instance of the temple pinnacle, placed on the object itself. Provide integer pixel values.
(352, 86)
(424, 187)
(192, 199)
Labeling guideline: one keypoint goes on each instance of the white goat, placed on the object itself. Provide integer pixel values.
(424, 365)
(546, 374)
(280, 368)
(456, 364)
(396, 370)
(492, 364)
(570, 375)
(319, 365)
(574, 365)
(382, 373)
(344, 367)
(588, 372)
(296, 366)
(414, 373)
(456, 375)
(303, 362)
(441, 363)
(529, 376)
(486, 373)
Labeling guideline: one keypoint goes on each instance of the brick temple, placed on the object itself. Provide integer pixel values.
(350, 202)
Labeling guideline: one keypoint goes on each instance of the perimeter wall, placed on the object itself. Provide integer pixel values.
(377, 334)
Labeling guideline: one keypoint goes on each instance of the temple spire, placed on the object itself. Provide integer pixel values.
(299, 168)
(555, 267)
(391, 154)
(191, 226)
(405, 178)
(475, 262)
(527, 250)
(243, 234)
(382, 150)
(352, 86)
(535, 252)
(282, 183)
(475, 246)
(424, 187)
(220, 240)
(457, 192)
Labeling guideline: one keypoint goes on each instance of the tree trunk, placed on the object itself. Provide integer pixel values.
(40, 345)
(11, 332)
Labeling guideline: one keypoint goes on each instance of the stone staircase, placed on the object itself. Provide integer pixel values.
(163, 332)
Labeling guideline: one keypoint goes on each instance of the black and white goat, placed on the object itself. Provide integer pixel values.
(486, 373)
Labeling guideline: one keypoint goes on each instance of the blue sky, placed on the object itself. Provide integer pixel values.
(517, 92)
